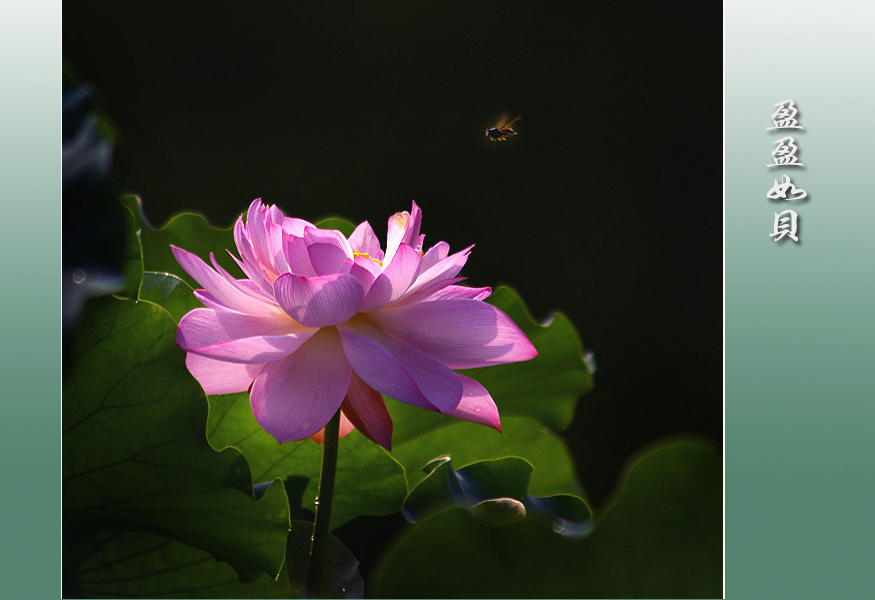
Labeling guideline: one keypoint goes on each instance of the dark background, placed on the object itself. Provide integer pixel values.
(607, 206)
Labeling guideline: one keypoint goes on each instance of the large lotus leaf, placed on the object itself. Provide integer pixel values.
(369, 481)
(661, 536)
(135, 457)
(132, 262)
(141, 565)
(132, 564)
(496, 490)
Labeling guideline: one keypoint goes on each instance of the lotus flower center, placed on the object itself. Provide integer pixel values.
(356, 254)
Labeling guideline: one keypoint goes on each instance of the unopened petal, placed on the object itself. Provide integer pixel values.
(254, 276)
(438, 276)
(395, 279)
(366, 271)
(274, 216)
(411, 236)
(294, 226)
(294, 398)
(327, 258)
(434, 255)
(244, 285)
(364, 240)
(319, 301)
(258, 234)
(403, 229)
(297, 256)
(332, 237)
(248, 262)
(276, 235)
(462, 334)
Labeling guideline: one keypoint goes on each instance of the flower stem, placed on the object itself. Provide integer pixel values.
(323, 505)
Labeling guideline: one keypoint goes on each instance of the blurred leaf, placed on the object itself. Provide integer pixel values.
(189, 231)
(135, 457)
(497, 490)
(94, 253)
(660, 537)
(369, 481)
(169, 292)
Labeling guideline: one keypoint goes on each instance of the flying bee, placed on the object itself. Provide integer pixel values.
(502, 130)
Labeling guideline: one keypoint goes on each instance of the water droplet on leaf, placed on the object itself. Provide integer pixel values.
(79, 276)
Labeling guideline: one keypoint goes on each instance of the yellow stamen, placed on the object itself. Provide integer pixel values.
(356, 254)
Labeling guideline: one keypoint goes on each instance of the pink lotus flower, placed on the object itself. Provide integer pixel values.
(324, 322)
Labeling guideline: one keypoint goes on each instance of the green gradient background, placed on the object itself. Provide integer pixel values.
(800, 458)
(30, 299)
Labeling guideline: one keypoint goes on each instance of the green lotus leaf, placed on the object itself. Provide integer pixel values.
(140, 565)
(133, 564)
(190, 231)
(169, 292)
(468, 442)
(135, 457)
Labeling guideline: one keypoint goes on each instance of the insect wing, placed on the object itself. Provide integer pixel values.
(502, 120)
(508, 124)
